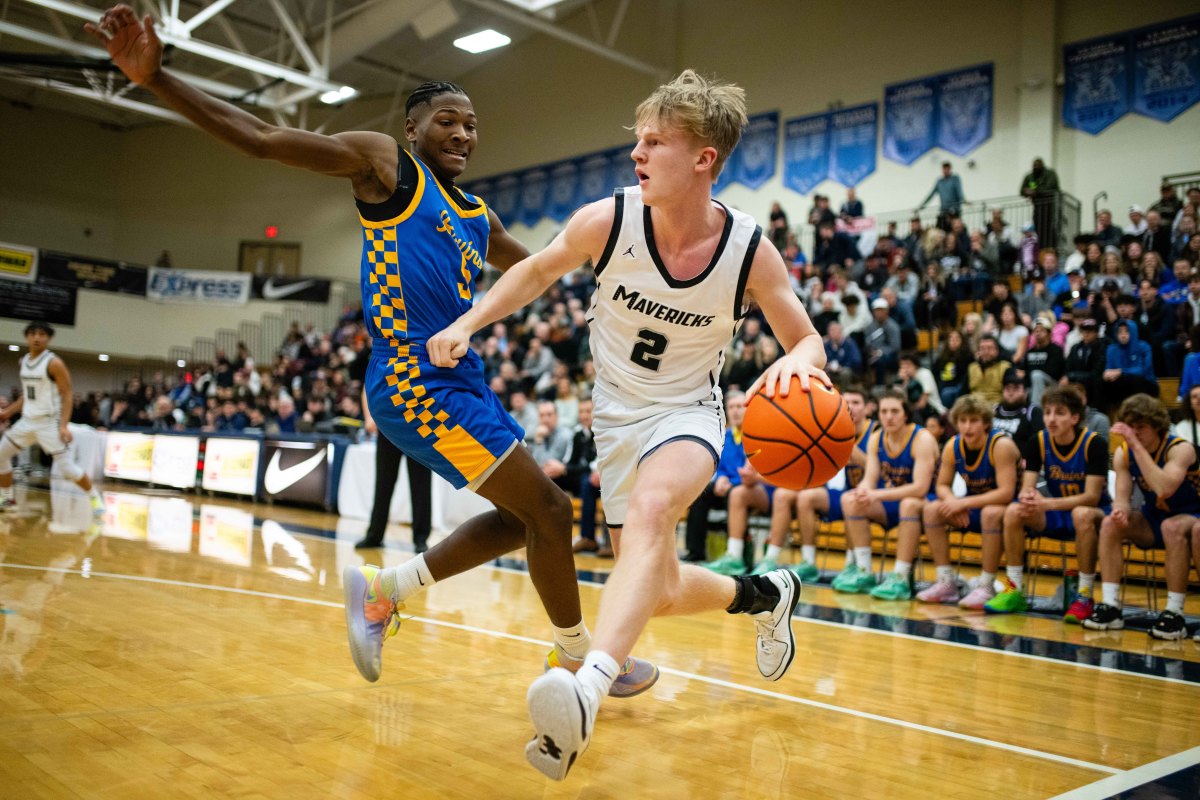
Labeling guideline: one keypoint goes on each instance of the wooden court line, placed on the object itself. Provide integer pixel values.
(1108, 787)
(931, 640)
(679, 673)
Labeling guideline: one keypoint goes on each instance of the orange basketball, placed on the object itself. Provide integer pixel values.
(801, 440)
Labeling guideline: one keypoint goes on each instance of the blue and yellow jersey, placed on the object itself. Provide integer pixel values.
(420, 257)
(979, 470)
(1185, 500)
(854, 473)
(896, 469)
(1067, 472)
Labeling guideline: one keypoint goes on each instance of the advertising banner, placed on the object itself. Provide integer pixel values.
(129, 456)
(37, 302)
(291, 290)
(296, 472)
(85, 272)
(18, 263)
(231, 465)
(197, 286)
(174, 460)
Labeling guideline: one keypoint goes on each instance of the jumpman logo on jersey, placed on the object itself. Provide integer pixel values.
(629, 252)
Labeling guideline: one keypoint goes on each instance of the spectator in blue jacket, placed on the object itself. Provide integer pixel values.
(1129, 366)
(835, 249)
(842, 356)
(715, 495)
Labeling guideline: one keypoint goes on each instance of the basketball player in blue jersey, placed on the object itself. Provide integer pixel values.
(1074, 461)
(895, 485)
(424, 242)
(1165, 469)
(676, 271)
(987, 461)
(807, 504)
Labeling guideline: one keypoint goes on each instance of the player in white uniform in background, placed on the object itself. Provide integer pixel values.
(675, 273)
(45, 407)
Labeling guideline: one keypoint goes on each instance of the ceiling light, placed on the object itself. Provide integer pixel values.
(14, 348)
(181, 363)
(482, 41)
(103, 356)
(533, 6)
(338, 95)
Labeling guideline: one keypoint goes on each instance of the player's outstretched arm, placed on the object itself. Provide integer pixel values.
(581, 240)
(136, 49)
(804, 351)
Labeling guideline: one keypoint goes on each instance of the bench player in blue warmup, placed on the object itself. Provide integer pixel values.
(424, 243)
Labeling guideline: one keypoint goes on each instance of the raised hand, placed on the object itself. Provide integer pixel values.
(133, 45)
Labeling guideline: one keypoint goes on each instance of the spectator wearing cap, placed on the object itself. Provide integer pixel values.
(882, 339)
(1036, 298)
(985, 376)
(1044, 364)
(949, 191)
(1016, 414)
(1076, 295)
(857, 317)
(1129, 365)
(1168, 204)
(1137, 220)
(1107, 234)
(1086, 360)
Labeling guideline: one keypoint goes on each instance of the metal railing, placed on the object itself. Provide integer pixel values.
(1182, 181)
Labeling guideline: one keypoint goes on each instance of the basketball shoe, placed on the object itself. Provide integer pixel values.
(776, 641)
(726, 565)
(939, 592)
(1170, 625)
(371, 617)
(894, 587)
(980, 595)
(806, 571)
(764, 566)
(1010, 601)
(1080, 610)
(1105, 618)
(562, 723)
(853, 580)
(636, 675)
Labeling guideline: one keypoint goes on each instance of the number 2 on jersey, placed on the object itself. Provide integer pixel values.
(649, 349)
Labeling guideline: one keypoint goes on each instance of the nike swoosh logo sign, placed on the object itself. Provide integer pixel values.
(272, 292)
(275, 480)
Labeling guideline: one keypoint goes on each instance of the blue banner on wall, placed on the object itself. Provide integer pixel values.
(805, 152)
(481, 189)
(620, 168)
(1096, 76)
(506, 197)
(593, 178)
(1166, 68)
(756, 152)
(964, 117)
(909, 120)
(853, 138)
(564, 187)
(533, 196)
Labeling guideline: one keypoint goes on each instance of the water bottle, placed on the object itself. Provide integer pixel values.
(1070, 588)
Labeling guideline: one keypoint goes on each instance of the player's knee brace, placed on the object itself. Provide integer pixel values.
(8, 451)
(70, 470)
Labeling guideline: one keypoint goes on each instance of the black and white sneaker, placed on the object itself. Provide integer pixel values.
(776, 642)
(562, 723)
(1170, 625)
(1105, 618)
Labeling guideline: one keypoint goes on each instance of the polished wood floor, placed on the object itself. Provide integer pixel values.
(182, 649)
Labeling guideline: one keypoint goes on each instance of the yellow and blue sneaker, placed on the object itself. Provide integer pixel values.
(371, 617)
(636, 675)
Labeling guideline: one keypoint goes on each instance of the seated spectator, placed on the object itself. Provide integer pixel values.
(951, 368)
(1111, 269)
(1151, 269)
(882, 339)
(744, 370)
(566, 401)
(1076, 295)
(230, 420)
(1036, 298)
(1092, 256)
(1044, 364)
(1086, 360)
(314, 414)
(1168, 203)
(1188, 428)
(1093, 418)
(856, 318)
(835, 248)
(1107, 234)
(752, 494)
(582, 479)
(1016, 414)
(1182, 236)
(1190, 376)
(1129, 366)
(918, 385)
(1157, 236)
(1028, 248)
(521, 410)
(777, 226)
(1175, 289)
(934, 306)
(1137, 220)
(986, 373)
(853, 208)
(1011, 334)
(550, 443)
(830, 312)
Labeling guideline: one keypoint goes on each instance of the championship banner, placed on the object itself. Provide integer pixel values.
(18, 263)
(231, 465)
(853, 137)
(909, 120)
(128, 456)
(964, 115)
(482, 189)
(296, 472)
(620, 169)
(758, 148)
(805, 152)
(196, 286)
(725, 178)
(174, 460)
(85, 272)
(37, 302)
(533, 196)
(593, 178)
(506, 197)
(291, 290)
(1166, 75)
(564, 187)
(1096, 87)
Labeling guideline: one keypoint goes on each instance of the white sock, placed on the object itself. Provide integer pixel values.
(576, 640)
(862, 557)
(735, 548)
(1109, 592)
(849, 556)
(903, 568)
(1175, 601)
(404, 581)
(773, 551)
(986, 579)
(808, 553)
(1086, 582)
(1017, 576)
(597, 674)
(945, 574)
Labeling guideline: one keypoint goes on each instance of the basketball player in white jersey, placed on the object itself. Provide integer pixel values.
(676, 271)
(45, 407)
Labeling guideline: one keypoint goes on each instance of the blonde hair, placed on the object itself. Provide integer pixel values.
(711, 112)
(971, 405)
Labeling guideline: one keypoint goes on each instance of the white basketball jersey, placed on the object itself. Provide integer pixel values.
(40, 391)
(655, 338)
